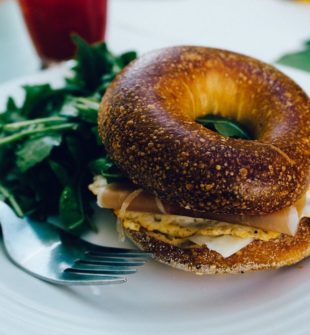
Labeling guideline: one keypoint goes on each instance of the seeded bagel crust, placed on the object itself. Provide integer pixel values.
(258, 255)
(146, 122)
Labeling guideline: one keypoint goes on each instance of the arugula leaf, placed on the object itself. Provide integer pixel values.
(85, 109)
(11, 105)
(36, 150)
(7, 156)
(11, 113)
(101, 165)
(36, 192)
(49, 146)
(93, 64)
(71, 209)
(5, 140)
(127, 58)
(12, 127)
(6, 194)
(60, 172)
(34, 96)
(106, 168)
(224, 126)
(299, 59)
(41, 100)
(105, 82)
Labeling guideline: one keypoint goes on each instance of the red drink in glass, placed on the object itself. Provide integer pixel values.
(51, 22)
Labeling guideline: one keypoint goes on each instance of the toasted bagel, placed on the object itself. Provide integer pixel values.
(258, 255)
(147, 124)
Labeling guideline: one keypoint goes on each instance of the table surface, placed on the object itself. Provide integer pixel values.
(261, 28)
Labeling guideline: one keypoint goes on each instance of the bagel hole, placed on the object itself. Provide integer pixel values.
(220, 93)
(220, 103)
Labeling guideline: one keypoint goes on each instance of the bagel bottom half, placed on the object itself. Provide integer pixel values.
(258, 255)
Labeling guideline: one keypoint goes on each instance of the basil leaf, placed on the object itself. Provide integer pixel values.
(224, 126)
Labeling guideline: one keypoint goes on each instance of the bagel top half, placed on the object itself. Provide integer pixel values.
(147, 123)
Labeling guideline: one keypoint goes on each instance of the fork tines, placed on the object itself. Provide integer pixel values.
(118, 254)
(108, 263)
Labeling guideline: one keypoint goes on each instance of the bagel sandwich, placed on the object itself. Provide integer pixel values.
(197, 200)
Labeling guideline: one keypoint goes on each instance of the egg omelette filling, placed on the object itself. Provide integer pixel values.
(180, 230)
(140, 211)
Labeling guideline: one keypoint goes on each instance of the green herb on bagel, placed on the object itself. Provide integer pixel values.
(224, 126)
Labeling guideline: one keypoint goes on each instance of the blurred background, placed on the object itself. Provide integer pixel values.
(266, 29)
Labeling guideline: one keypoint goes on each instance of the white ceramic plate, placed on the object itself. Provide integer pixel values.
(158, 299)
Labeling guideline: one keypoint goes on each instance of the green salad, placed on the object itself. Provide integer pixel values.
(49, 148)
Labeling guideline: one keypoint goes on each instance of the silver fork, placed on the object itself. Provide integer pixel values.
(53, 255)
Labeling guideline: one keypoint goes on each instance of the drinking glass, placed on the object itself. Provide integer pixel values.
(51, 22)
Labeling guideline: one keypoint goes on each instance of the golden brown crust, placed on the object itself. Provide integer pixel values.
(258, 255)
(146, 121)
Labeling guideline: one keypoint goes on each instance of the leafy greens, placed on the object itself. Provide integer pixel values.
(299, 59)
(49, 146)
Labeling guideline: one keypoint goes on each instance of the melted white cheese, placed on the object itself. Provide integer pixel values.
(293, 220)
(225, 245)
